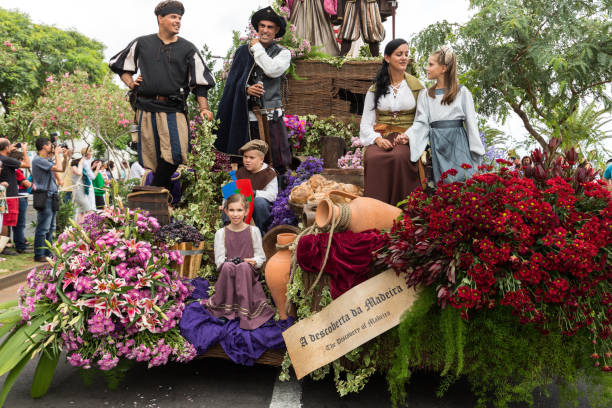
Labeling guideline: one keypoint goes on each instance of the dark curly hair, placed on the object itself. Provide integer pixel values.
(170, 5)
(383, 80)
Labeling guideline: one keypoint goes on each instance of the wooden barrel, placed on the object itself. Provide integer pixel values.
(192, 259)
(152, 199)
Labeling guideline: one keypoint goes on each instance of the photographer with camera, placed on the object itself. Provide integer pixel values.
(8, 175)
(46, 199)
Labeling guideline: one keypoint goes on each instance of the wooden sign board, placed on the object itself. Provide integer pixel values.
(357, 316)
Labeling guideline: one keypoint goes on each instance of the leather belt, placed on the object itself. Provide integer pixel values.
(156, 97)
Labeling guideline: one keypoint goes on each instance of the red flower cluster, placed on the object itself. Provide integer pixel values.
(541, 247)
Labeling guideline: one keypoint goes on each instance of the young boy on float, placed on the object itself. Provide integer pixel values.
(263, 180)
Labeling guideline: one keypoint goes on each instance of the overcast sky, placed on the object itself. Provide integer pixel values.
(115, 23)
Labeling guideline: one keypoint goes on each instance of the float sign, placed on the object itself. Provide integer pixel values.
(357, 316)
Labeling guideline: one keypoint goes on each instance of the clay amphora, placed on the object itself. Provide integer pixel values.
(366, 213)
(277, 273)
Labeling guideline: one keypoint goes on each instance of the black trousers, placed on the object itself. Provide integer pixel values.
(163, 173)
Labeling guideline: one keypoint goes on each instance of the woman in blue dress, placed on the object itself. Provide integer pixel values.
(446, 120)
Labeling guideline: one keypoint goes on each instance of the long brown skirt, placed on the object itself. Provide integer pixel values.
(390, 176)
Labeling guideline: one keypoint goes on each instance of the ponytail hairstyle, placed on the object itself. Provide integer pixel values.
(383, 79)
(446, 56)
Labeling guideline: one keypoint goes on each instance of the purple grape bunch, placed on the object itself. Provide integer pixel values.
(177, 231)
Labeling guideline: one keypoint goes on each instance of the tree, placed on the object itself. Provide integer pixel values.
(79, 110)
(541, 59)
(31, 52)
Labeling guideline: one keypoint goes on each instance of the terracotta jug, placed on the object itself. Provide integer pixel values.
(277, 273)
(366, 212)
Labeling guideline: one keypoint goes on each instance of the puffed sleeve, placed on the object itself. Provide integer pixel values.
(471, 122)
(200, 77)
(259, 254)
(367, 135)
(126, 60)
(220, 247)
(418, 133)
(272, 67)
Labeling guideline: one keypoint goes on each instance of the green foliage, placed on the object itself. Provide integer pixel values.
(311, 143)
(202, 185)
(44, 372)
(541, 59)
(39, 51)
(64, 214)
(503, 360)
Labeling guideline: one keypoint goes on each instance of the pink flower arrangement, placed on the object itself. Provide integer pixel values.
(113, 293)
(352, 159)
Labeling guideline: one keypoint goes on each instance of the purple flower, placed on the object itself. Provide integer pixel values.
(107, 362)
(76, 360)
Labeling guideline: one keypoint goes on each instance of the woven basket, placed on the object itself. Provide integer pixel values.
(325, 90)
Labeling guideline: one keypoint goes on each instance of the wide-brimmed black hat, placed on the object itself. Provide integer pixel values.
(269, 14)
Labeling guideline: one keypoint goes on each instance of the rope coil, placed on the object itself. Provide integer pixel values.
(338, 223)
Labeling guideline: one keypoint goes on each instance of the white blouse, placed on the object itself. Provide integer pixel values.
(259, 255)
(431, 110)
(402, 101)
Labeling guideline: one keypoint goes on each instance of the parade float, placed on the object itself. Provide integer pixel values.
(503, 280)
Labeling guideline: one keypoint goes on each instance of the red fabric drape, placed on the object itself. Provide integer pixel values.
(349, 259)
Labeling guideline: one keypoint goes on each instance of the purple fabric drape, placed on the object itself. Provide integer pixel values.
(241, 346)
(349, 258)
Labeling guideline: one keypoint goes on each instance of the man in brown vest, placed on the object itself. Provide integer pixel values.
(263, 180)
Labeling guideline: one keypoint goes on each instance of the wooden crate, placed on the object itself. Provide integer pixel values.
(270, 357)
(192, 259)
(326, 90)
(348, 176)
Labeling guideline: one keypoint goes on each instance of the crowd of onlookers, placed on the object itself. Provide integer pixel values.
(82, 179)
(86, 182)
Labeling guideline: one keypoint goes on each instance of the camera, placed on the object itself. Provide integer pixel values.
(237, 260)
(18, 145)
(64, 145)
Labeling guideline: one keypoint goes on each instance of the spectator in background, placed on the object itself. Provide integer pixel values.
(136, 171)
(8, 175)
(19, 230)
(110, 168)
(3, 209)
(526, 161)
(88, 174)
(608, 173)
(98, 183)
(43, 170)
(124, 171)
(516, 162)
(67, 186)
(80, 193)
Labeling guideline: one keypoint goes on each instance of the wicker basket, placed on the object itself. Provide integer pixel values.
(325, 90)
(192, 259)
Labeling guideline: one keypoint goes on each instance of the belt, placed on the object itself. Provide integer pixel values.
(156, 97)
(446, 124)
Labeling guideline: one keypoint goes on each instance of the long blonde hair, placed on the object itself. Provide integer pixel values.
(446, 56)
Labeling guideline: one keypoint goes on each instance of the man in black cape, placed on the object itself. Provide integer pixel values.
(252, 95)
